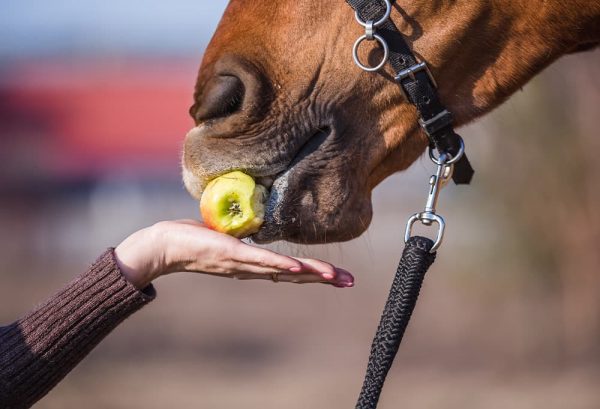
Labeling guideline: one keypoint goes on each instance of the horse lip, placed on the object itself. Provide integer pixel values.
(312, 145)
(274, 220)
(309, 147)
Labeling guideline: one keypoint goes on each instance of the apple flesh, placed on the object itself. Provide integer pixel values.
(234, 204)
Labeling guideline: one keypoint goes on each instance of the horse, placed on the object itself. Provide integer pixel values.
(279, 97)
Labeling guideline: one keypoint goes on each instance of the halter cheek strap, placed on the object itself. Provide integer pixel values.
(415, 80)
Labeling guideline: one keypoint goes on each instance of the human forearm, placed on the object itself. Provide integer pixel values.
(37, 351)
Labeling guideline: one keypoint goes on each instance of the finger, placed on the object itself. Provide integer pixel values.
(282, 277)
(252, 272)
(311, 278)
(250, 255)
(326, 270)
(343, 278)
(293, 278)
(329, 272)
(267, 273)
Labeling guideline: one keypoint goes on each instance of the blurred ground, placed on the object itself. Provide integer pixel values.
(509, 316)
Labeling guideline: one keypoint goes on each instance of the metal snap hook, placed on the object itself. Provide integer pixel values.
(427, 219)
(386, 52)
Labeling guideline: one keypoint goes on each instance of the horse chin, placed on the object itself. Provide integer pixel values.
(272, 231)
(300, 210)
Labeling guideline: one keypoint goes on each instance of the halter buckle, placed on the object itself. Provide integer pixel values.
(410, 73)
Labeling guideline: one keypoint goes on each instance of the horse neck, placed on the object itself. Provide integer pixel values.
(493, 47)
(562, 25)
(579, 21)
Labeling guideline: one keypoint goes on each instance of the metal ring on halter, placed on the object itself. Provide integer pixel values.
(386, 16)
(386, 53)
(431, 217)
(452, 160)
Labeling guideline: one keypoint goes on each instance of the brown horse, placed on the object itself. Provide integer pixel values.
(279, 97)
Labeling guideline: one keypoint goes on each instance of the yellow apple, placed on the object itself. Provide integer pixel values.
(234, 204)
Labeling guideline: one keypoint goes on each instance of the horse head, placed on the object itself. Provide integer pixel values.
(279, 97)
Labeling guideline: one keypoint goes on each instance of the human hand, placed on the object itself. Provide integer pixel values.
(188, 246)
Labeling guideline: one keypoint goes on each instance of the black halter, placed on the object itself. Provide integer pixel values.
(419, 88)
(418, 85)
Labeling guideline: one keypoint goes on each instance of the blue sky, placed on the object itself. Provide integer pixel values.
(79, 27)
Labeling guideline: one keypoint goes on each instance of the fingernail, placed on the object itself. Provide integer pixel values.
(296, 269)
(327, 276)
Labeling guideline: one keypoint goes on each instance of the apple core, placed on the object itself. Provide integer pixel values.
(234, 204)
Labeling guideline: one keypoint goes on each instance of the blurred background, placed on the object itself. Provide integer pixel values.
(93, 110)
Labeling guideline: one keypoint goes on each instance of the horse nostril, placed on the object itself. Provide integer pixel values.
(221, 97)
(233, 92)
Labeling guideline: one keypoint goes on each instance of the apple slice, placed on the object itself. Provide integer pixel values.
(234, 204)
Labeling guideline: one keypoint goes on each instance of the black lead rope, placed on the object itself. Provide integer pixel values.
(419, 88)
(416, 260)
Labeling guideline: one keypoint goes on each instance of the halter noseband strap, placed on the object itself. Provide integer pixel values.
(415, 79)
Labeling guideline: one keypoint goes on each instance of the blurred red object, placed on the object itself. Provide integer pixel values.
(80, 120)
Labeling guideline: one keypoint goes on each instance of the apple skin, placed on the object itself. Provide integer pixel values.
(234, 204)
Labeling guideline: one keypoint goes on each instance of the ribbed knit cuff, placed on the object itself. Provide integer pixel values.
(37, 351)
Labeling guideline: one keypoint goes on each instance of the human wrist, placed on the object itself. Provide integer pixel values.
(139, 257)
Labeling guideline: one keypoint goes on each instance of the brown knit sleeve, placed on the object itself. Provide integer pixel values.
(39, 350)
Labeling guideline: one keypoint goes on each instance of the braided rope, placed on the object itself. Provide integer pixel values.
(416, 260)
